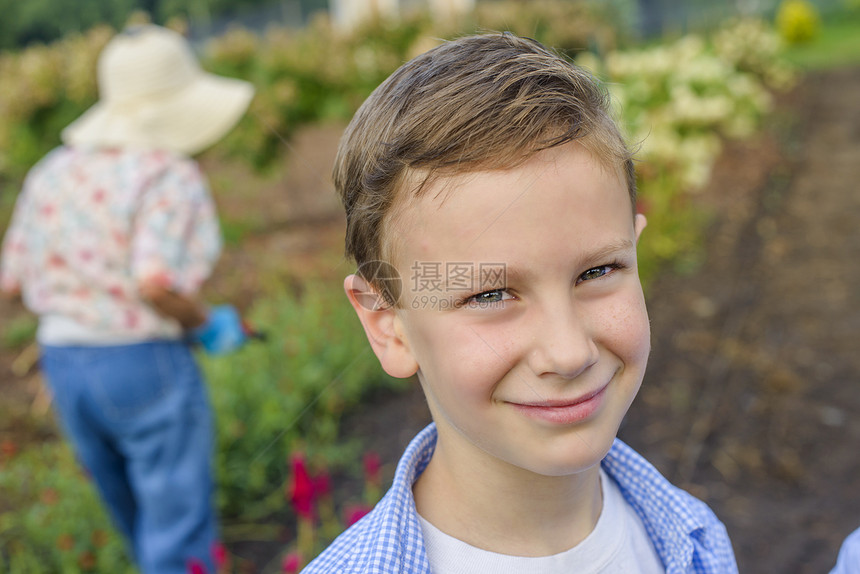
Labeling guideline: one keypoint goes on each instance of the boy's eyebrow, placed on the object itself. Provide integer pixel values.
(608, 251)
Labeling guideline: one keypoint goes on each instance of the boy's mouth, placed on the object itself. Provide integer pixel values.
(563, 411)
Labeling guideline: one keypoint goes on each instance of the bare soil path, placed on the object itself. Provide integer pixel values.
(752, 400)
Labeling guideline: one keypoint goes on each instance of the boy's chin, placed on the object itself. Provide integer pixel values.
(573, 458)
(572, 466)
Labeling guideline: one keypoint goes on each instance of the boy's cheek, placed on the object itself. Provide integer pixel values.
(635, 348)
(442, 340)
(632, 334)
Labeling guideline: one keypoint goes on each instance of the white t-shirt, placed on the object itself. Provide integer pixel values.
(618, 544)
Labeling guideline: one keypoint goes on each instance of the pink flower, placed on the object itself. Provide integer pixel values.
(355, 512)
(301, 487)
(372, 468)
(292, 563)
(195, 567)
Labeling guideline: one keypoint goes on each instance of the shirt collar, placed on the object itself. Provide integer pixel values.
(672, 517)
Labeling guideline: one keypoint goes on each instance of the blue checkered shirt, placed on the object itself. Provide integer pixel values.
(849, 555)
(687, 535)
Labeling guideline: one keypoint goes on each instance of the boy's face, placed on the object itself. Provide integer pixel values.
(522, 310)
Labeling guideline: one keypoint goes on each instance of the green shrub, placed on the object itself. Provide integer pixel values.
(19, 332)
(273, 398)
(288, 393)
(57, 523)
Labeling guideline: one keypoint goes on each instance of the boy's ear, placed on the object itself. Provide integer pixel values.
(639, 223)
(382, 327)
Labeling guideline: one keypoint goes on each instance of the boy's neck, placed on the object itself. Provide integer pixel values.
(501, 508)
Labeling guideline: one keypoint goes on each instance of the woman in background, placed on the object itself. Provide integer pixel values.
(112, 237)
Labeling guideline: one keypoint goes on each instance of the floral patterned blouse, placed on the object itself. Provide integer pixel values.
(91, 224)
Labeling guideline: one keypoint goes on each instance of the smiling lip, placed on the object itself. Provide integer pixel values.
(564, 411)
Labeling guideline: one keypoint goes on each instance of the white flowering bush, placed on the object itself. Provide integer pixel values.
(678, 102)
(752, 45)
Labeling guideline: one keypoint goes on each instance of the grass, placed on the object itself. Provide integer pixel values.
(837, 45)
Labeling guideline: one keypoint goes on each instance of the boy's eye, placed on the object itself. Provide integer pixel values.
(494, 296)
(598, 272)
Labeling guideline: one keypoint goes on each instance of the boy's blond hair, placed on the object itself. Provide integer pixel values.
(480, 102)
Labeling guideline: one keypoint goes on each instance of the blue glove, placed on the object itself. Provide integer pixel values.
(222, 332)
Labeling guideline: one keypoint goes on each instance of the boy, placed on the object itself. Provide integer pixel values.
(488, 172)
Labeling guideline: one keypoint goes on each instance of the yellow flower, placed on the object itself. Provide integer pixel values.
(797, 21)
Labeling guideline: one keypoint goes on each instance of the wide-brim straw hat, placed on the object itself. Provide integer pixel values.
(154, 95)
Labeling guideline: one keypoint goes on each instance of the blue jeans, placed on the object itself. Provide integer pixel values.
(139, 420)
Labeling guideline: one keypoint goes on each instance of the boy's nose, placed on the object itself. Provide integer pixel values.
(563, 345)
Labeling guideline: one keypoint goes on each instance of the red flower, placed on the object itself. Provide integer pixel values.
(372, 468)
(301, 487)
(354, 513)
(322, 484)
(219, 553)
(292, 563)
(195, 567)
